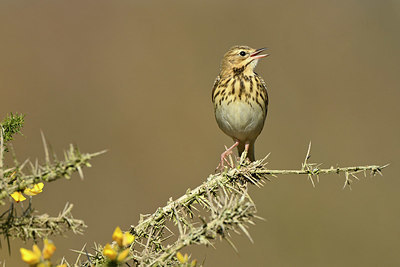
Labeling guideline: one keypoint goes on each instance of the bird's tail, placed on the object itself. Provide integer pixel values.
(250, 153)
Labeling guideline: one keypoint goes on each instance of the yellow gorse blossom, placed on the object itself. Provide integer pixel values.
(122, 255)
(18, 196)
(116, 252)
(31, 256)
(44, 264)
(118, 236)
(110, 252)
(128, 239)
(36, 189)
(181, 258)
(37, 258)
(48, 249)
(122, 239)
(184, 259)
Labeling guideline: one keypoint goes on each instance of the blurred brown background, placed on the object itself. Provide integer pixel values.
(135, 77)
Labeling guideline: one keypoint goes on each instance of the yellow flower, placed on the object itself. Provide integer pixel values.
(62, 265)
(36, 189)
(18, 196)
(121, 257)
(109, 252)
(118, 236)
(128, 239)
(31, 256)
(181, 258)
(122, 239)
(44, 264)
(48, 249)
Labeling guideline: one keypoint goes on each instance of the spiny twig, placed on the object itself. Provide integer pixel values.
(29, 226)
(51, 171)
(255, 169)
(224, 196)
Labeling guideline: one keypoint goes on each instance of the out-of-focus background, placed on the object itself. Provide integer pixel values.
(135, 77)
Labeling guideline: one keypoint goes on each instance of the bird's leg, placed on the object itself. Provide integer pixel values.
(244, 153)
(225, 154)
(246, 148)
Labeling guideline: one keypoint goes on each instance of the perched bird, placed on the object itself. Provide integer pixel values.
(240, 99)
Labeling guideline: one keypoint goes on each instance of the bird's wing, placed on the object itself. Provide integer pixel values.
(217, 80)
(265, 93)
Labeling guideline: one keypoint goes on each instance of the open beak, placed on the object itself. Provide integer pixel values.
(256, 54)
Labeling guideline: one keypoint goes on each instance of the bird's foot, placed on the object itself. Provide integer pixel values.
(224, 160)
(224, 156)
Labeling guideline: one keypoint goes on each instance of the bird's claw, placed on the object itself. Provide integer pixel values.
(224, 159)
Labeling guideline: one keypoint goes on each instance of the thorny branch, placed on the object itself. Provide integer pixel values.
(25, 223)
(224, 196)
(32, 226)
(15, 178)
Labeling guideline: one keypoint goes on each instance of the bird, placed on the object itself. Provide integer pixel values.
(240, 100)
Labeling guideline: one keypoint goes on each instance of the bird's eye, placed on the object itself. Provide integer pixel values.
(242, 53)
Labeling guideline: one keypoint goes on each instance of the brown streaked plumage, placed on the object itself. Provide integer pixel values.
(240, 99)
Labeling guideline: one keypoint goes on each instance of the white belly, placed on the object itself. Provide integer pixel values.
(240, 121)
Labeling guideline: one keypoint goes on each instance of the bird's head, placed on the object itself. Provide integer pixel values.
(241, 59)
